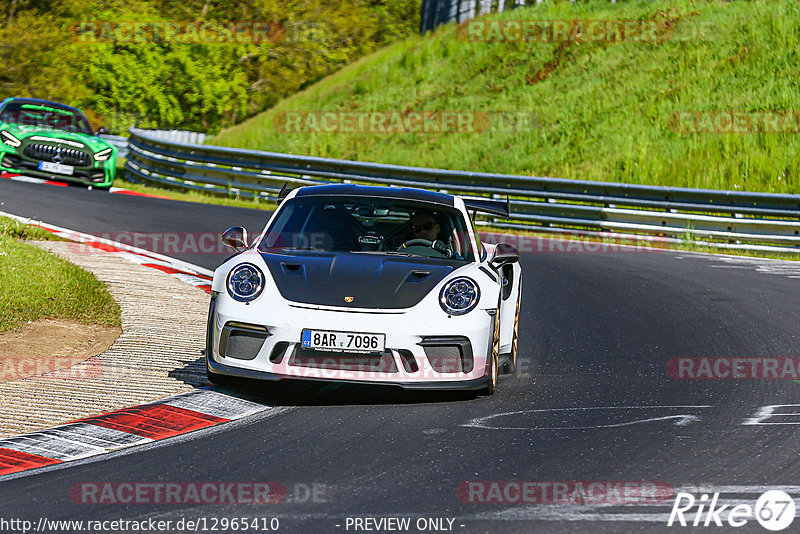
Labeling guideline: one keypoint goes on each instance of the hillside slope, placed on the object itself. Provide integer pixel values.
(619, 109)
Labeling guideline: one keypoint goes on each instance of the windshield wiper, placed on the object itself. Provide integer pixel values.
(389, 252)
(313, 249)
(395, 253)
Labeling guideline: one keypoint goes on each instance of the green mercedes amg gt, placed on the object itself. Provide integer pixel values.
(53, 141)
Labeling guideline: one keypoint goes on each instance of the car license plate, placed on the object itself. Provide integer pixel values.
(334, 341)
(49, 166)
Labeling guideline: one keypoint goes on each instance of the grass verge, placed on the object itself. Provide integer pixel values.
(599, 109)
(36, 284)
(193, 196)
(14, 229)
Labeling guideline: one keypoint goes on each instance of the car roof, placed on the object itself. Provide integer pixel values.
(38, 101)
(408, 193)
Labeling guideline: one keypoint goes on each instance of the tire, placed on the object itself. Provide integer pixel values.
(494, 366)
(512, 364)
(213, 378)
(218, 379)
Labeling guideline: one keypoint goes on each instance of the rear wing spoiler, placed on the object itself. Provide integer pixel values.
(284, 192)
(495, 206)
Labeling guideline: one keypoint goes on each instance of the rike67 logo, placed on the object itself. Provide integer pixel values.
(774, 510)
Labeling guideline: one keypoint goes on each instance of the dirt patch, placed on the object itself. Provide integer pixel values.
(48, 347)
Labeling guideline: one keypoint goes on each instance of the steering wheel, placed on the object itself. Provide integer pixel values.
(418, 242)
(442, 248)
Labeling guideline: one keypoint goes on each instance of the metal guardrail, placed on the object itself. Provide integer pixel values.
(436, 12)
(179, 136)
(725, 218)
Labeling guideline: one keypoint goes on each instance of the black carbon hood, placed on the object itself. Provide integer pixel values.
(372, 280)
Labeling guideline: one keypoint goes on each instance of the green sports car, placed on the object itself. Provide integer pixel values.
(53, 141)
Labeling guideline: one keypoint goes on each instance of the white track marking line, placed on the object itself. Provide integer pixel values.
(682, 419)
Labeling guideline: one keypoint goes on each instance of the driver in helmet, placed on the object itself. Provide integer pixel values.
(425, 227)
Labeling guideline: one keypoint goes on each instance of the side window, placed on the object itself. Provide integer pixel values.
(481, 248)
(457, 243)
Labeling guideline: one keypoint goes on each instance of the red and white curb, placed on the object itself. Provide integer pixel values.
(127, 427)
(120, 429)
(187, 272)
(32, 180)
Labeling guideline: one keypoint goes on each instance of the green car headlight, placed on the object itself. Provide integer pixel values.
(103, 154)
(9, 139)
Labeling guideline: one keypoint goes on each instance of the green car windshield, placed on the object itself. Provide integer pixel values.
(41, 116)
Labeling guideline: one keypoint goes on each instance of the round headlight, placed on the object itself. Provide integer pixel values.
(459, 296)
(245, 282)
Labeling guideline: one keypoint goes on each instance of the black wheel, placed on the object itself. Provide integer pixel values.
(101, 188)
(214, 378)
(218, 379)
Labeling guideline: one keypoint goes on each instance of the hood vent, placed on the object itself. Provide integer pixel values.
(373, 281)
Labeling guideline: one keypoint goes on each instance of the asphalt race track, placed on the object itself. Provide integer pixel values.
(592, 402)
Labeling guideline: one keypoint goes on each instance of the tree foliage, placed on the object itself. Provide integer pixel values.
(158, 83)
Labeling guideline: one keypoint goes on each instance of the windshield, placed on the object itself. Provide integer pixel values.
(49, 116)
(371, 226)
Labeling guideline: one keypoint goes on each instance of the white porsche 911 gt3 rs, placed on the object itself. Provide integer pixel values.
(365, 284)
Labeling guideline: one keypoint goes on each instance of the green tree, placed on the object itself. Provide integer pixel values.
(197, 86)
